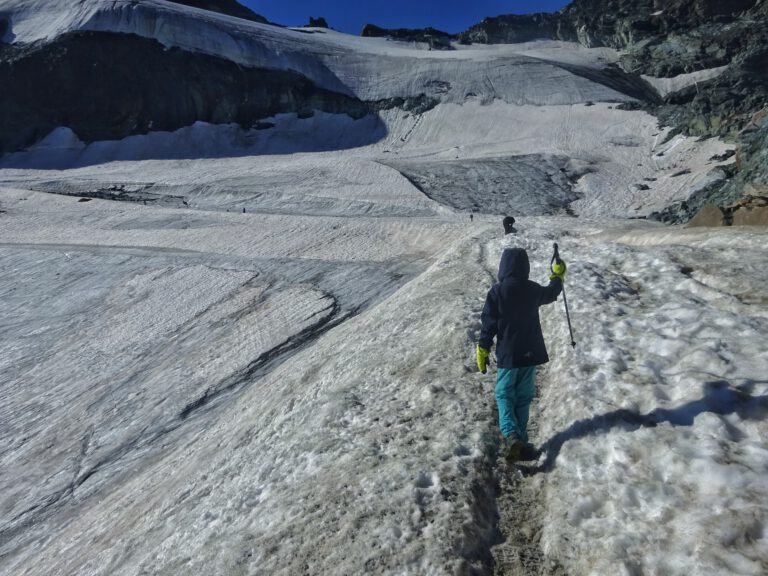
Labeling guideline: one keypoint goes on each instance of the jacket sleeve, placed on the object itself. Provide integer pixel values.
(550, 293)
(489, 320)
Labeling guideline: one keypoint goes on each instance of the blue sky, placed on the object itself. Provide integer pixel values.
(351, 15)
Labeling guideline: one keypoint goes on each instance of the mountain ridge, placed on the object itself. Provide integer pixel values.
(228, 7)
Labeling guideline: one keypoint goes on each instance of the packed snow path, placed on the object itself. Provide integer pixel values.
(373, 447)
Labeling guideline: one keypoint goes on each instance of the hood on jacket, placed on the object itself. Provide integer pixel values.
(514, 265)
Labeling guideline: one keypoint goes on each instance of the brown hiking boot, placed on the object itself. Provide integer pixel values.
(512, 448)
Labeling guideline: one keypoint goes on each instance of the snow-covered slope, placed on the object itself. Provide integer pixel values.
(158, 436)
(229, 351)
(597, 159)
(485, 103)
(370, 68)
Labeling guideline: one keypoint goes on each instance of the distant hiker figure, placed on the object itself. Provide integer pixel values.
(471, 217)
(511, 315)
(509, 225)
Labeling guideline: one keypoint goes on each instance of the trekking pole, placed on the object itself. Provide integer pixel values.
(556, 258)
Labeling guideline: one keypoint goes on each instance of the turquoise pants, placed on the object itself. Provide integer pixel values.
(515, 388)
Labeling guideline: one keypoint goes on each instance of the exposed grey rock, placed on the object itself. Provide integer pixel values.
(414, 104)
(723, 105)
(751, 159)
(614, 23)
(437, 39)
(108, 86)
(229, 7)
(723, 157)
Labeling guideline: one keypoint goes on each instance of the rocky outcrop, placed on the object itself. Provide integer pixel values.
(741, 195)
(624, 23)
(614, 23)
(709, 216)
(754, 151)
(228, 7)
(317, 22)
(107, 86)
(724, 105)
(751, 178)
(413, 104)
(437, 39)
(514, 28)
(750, 211)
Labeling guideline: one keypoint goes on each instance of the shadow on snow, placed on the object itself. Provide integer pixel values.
(719, 398)
(62, 149)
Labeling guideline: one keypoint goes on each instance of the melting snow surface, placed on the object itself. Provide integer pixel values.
(229, 352)
(196, 391)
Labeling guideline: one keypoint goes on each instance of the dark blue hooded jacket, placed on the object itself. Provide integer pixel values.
(511, 313)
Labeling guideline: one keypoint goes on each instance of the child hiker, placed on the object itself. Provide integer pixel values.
(511, 314)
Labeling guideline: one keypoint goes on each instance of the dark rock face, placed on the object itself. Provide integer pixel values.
(413, 104)
(228, 7)
(514, 28)
(108, 86)
(706, 46)
(614, 23)
(723, 105)
(621, 23)
(437, 39)
(317, 22)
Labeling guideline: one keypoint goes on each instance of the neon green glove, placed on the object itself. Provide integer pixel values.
(482, 358)
(558, 271)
